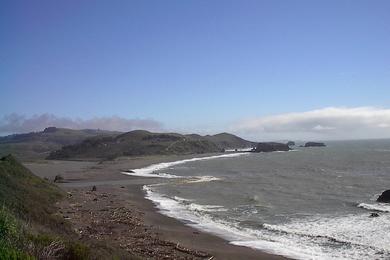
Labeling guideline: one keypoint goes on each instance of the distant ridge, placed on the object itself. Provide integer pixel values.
(37, 145)
(141, 142)
(229, 141)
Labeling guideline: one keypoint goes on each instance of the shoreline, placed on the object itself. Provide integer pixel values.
(191, 243)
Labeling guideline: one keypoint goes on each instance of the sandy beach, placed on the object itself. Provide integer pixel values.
(118, 214)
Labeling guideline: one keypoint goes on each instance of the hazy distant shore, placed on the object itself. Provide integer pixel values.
(119, 204)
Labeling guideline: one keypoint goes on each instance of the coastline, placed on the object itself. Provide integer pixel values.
(175, 239)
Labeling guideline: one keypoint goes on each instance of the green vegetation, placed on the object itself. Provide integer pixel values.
(28, 195)
(12, 236)
(146, 143)
(229, 141)
(29, 225)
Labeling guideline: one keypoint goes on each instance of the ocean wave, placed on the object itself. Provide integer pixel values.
(152, 175)
(151, 171)
(375, 207)
(197, 179)
(248, 149)
(351, 236)
(194, 214)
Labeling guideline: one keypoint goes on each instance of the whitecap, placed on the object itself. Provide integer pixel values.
(151, 171)
(198, 179)
(376, 207)
(314, 237)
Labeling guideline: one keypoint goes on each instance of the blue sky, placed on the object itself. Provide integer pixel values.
(198, 65)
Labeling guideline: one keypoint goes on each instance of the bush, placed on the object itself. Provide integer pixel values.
(77, 251)
(11, 237)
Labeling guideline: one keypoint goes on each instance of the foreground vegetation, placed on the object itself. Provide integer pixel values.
(30, 228)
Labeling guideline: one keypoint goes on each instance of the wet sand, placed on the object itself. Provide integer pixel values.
(117, 212)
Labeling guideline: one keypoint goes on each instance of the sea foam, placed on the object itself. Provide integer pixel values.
(350, 236)
(151, 171)
(382, 207)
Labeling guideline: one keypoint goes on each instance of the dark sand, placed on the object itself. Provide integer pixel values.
(117, 212)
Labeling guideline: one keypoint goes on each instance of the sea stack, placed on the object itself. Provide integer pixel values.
(314, 144)
(271, 147)
(384, 197)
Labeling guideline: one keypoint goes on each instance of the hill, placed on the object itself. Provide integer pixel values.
(31, 228)
(229, 141)
(37, 145)
(141, 142)
(28, 222)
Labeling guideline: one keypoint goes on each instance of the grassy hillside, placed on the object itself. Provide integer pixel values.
(26, 194)
(29, 225)
(135, 143)
(37, 145)
(229, 141)
(146, 143)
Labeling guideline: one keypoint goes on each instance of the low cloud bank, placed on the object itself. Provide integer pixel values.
(325, 124)
(15, 123)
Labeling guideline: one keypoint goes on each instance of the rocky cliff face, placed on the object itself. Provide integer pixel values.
(271, 147)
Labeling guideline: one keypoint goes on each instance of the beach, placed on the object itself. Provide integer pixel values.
(117, 212)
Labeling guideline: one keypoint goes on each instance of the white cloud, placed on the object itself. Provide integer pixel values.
(327, 123)
(15, 123)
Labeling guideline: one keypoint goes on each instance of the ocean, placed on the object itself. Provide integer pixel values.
(308, 203)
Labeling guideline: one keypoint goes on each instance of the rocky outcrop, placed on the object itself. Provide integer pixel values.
(50, 129)
(314, 144)
(384, 197)
(271, 147)
(291, 143)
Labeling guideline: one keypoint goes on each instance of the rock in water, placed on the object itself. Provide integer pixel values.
(314, 144)
(374, 215)
(271, 147)
(384, 197)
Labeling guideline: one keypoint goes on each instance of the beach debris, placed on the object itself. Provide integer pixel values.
(58, 178)
(93, 188)
(52, 250)
(374, 215)
(191, 252)
(109, 218)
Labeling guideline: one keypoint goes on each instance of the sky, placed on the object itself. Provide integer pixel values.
(260, 69)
